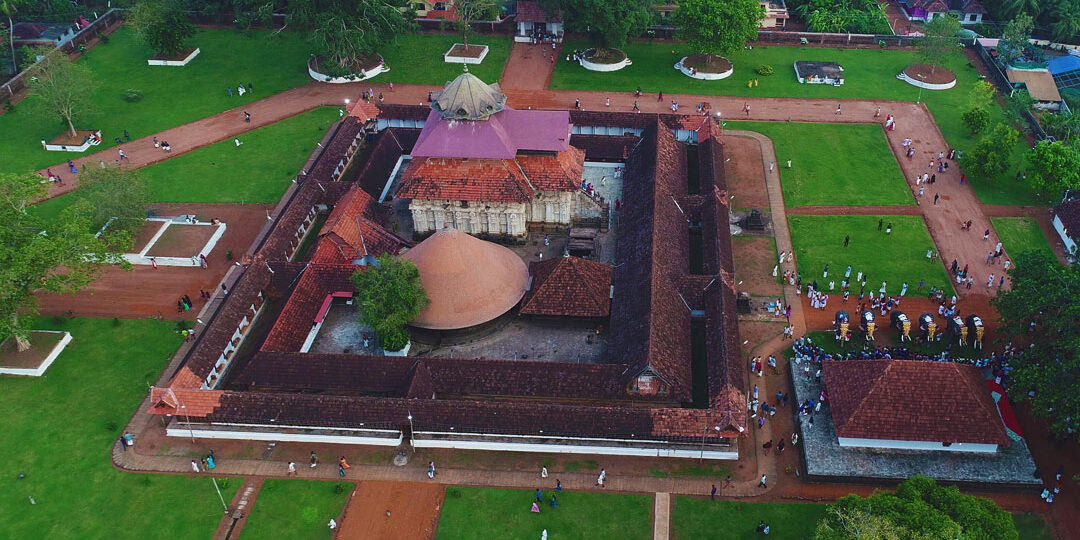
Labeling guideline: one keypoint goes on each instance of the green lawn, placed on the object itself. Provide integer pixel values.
(172, 95)
(695, 518)
(418, 58)
(1021, 234)
(59, 431)
(866, 174)
(298, 509)
(1032, 527)
(504, 513)
(257, 172)
(894, 258)
(868, 73)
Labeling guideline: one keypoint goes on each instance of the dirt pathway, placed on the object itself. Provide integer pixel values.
(382, 510)
(529, 66)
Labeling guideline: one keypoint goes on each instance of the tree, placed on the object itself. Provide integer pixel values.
(1066, 19)
(858, 16)
(115, 194)
(608, 23)
(718, 27)
(919, 509)
(60, 256)
(1054, 167)
(940, 42)
(1014, 38)
(61, 86)
(389, 295)
(473, 10)
(8, 8)
(1042, 307)
(990, 156)
(350, 32)
(980, 99)
(1063, 126)
(162, 25)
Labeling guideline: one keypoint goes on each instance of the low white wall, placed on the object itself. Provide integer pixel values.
(916, 445)
(178, 430)
(69, 148)
(142, 258)
(362, 76)
(703, 76)
(174, 63)
(592, 66)
(463, 59)
(40, 370)
(914, 82)
(616, 447)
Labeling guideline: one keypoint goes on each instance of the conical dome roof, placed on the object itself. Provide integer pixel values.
(468, 98)
(469, 281)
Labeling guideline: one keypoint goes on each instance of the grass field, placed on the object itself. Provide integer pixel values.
(695, 518)
(1021, 234)
(61, 435)
(172, 96)
(504, 513)
(257, 172)
(867, 175)
(418, 58)
(298, 509)
(868, 74)
(895, 258)
(1032, 527)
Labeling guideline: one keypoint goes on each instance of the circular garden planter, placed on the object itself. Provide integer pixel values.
(370, 68)
(928, 77)
(604, 60)
(699, 66)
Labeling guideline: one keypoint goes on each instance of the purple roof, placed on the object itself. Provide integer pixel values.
(501, 136)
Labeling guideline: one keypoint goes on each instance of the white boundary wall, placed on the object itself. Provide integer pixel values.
(142, 258)
(40, 370)
(175, 63)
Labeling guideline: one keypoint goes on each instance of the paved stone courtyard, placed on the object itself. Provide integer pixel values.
(342, 332)
(826, 459)
(524, 339)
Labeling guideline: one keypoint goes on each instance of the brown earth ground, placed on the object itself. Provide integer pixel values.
(743, 174)
(929, 74)
(42, 343)
(183, 240)
(147, 292)
(755, 257)
(382, 510)
(529, 67)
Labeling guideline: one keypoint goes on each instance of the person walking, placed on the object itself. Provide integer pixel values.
(431, 470)
(600, 479)
(292, 469)
(123, 156)
(247, 117)
(936, 197)
(838, 109)
(195, 465)
(762, 482)
(314, 459)
(847, 240)
(712, 495)
(880, 222)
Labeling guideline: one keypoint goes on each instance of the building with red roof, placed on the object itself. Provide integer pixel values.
(912, 405)
(569, 287)
(484, 168)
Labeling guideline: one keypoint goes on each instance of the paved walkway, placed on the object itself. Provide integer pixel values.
(661, 516)
(529, 66)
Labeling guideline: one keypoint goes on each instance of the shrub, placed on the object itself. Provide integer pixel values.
(881, 43)
(132, 95)
(116, 321)
(103, 39)
(764, 70)
(228, 254)
(339, 488)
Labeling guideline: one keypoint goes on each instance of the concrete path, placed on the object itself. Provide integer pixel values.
(661, 516)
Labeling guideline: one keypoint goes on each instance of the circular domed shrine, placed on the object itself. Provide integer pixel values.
(469, 281)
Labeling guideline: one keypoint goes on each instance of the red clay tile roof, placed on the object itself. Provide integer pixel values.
(364, 110)
(569, 287)
(911, 400)
(184, 401)
(649, 321)
(293, 325)
(530, 11)
(353, 230)
(481, 180)
(559, 172)
(1069, 214)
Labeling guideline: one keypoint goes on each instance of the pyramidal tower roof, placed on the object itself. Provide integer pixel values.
(468, 98)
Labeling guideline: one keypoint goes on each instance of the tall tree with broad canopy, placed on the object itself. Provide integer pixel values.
(162, 25)
(119, 199)
(473, 10)
(60, 87)
(389, 295)
(1043, 307)
(940, 41)
(1015, 37)
(608, 23)
(60, 256)
(349, 32)
(718, 27)
(919, 509)
(1054, 167)
(990, 156)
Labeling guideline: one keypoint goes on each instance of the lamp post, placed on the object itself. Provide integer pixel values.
(705, 432)
(222, 499)
(411, 431)
(188, 420)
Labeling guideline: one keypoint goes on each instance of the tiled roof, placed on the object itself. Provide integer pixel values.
(352, 231)
(605, 147)
(1069, 214)
(293, 325)
(559, 172)
(184, 401)
(911, 400)
(569, 287)
(650, 323)
(480, 180)
(392, 376)
(390, 145)
(530, 11)
(364, 110)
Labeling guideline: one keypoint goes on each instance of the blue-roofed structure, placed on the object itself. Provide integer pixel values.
(1066, 71)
